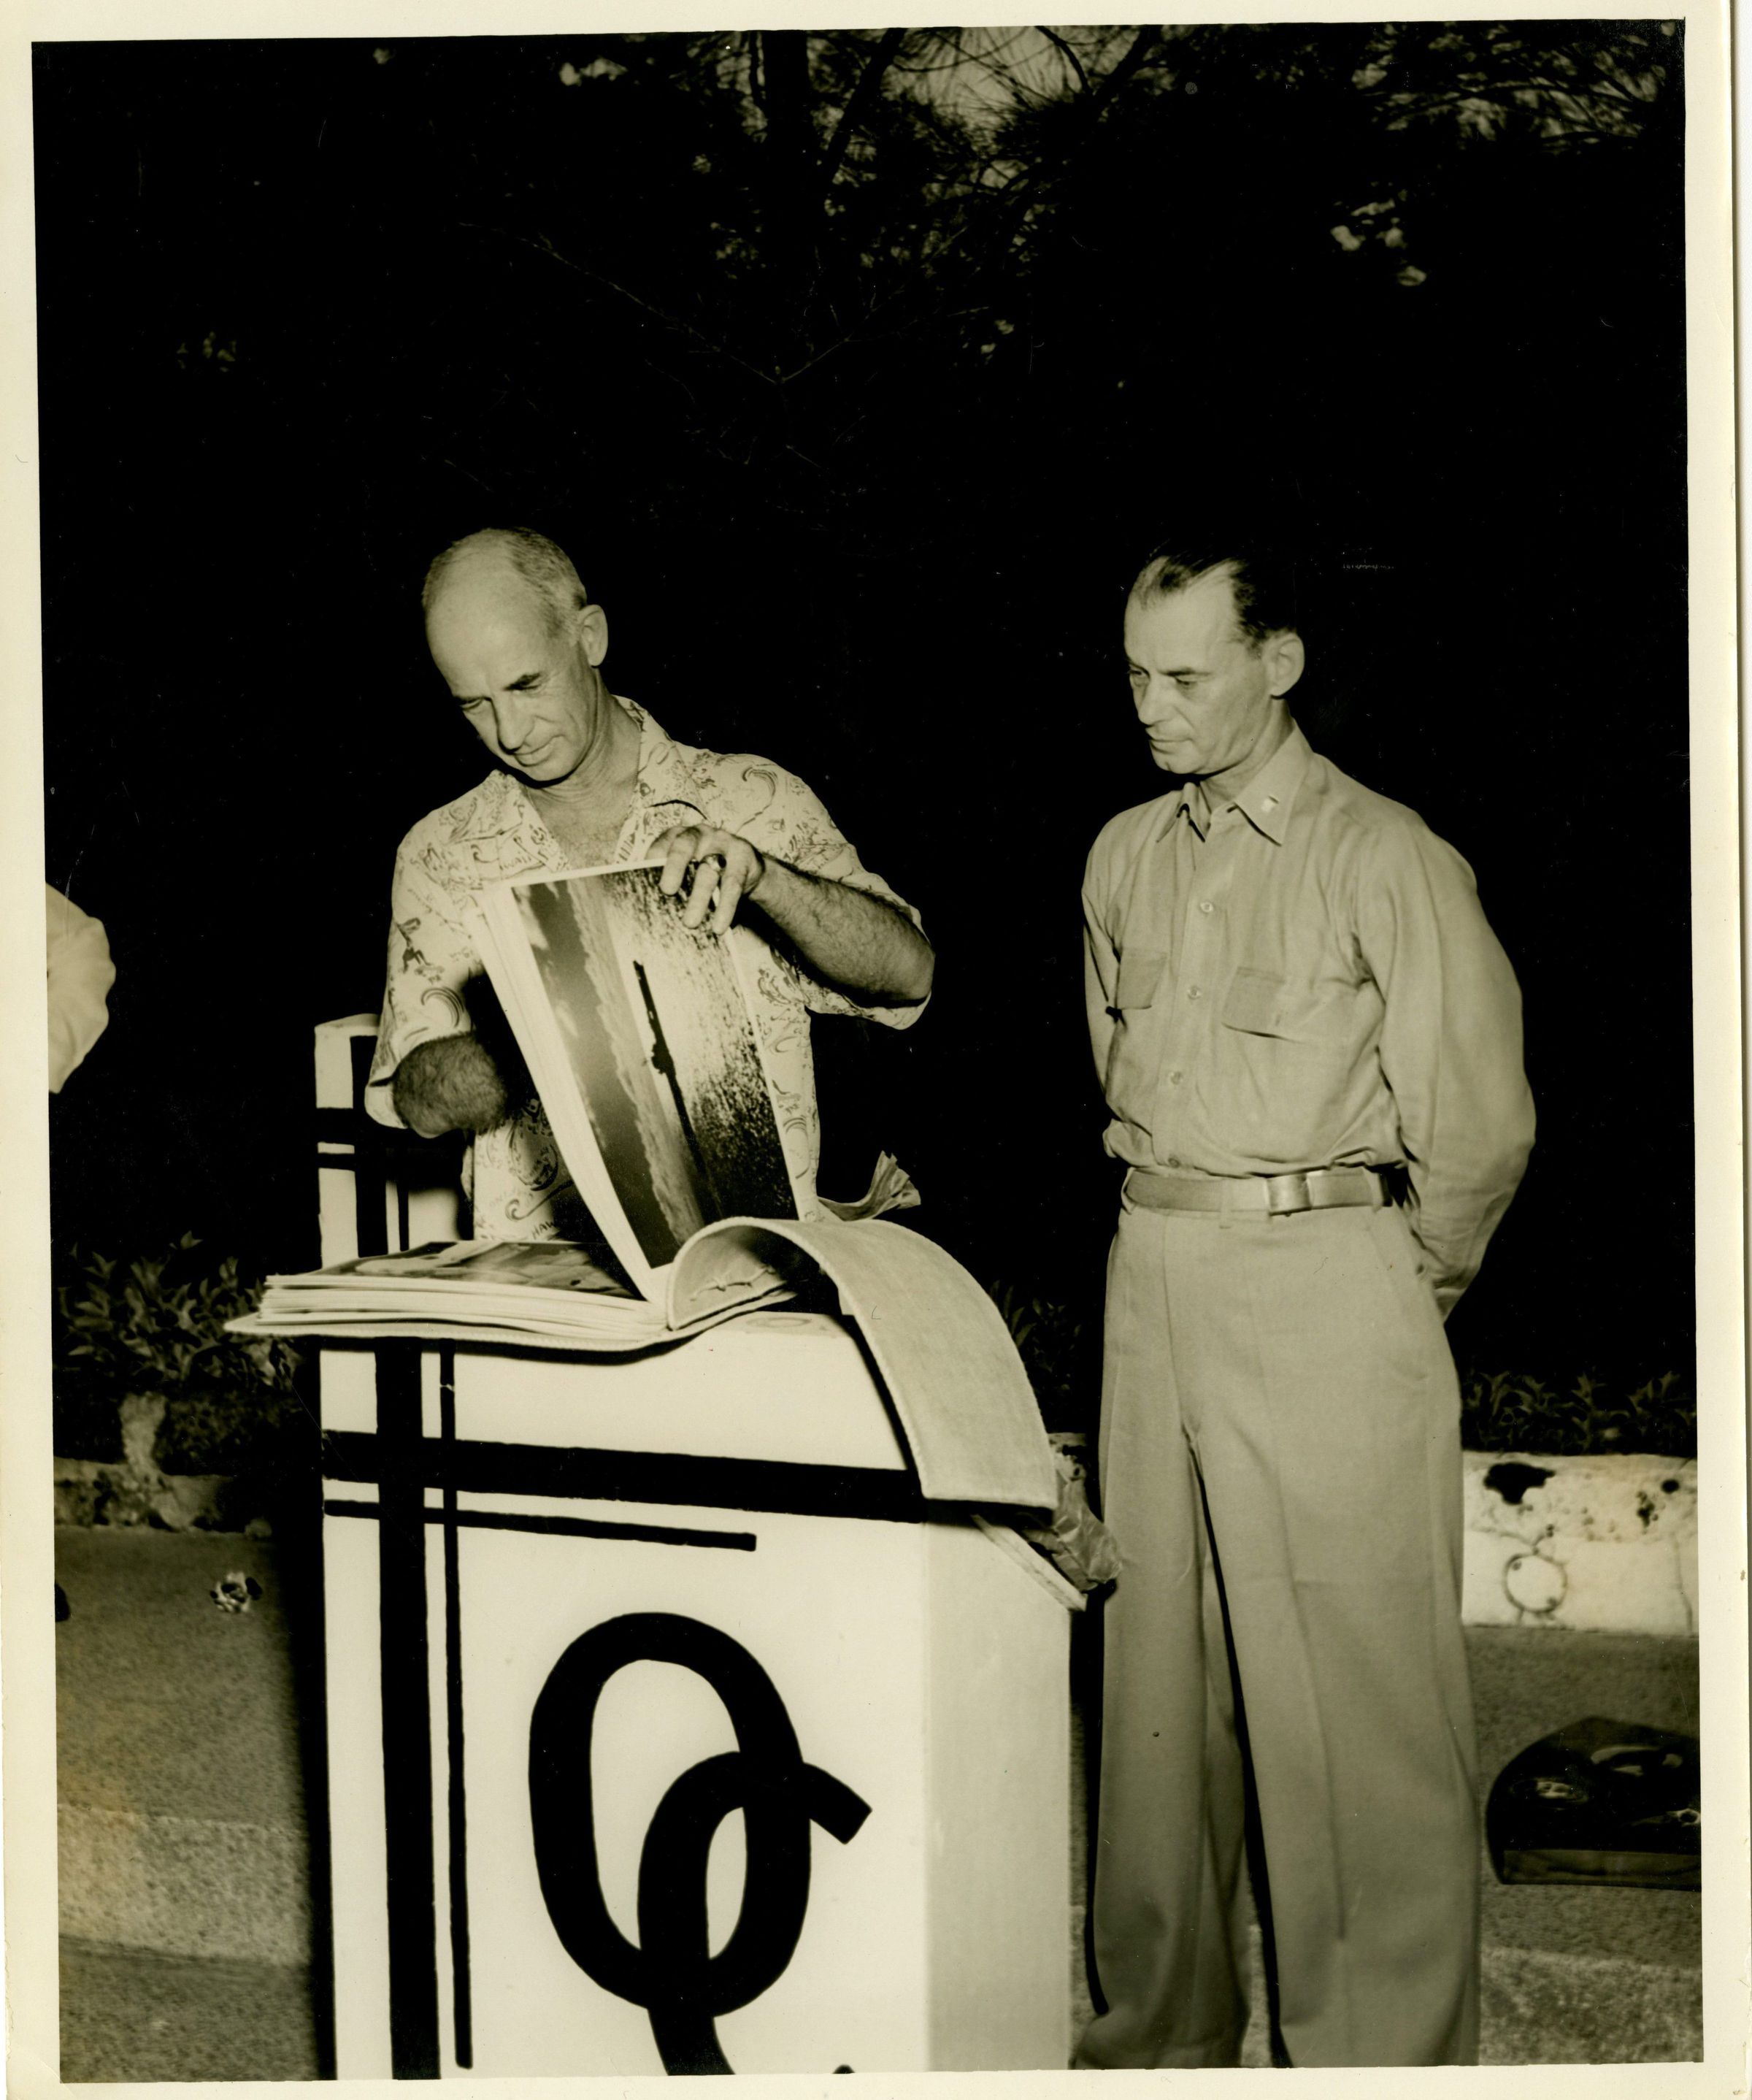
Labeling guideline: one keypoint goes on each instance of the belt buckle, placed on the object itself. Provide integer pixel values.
(1286, 1194)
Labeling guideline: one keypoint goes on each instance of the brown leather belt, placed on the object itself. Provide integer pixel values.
(1274, 1195)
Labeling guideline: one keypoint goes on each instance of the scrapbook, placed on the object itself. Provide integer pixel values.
(641, 1039)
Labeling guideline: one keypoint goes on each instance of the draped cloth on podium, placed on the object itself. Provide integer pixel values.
(944, 1352)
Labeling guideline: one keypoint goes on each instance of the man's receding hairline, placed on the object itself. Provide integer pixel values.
(459, 576)
(1151, 573)
(1147, 589)
(540, 565)
(1149, 578)
(1261, 584)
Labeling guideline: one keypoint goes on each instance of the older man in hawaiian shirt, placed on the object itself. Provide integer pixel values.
(583, 779)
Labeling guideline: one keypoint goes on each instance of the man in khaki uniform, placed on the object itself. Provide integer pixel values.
(1310, 1045)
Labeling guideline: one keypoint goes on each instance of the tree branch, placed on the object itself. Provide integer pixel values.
(863, 95)
(757, 86)
(1007, 201)
(1076, 63)
(543, 246)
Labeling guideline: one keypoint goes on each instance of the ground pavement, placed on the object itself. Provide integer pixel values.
(186, 1903)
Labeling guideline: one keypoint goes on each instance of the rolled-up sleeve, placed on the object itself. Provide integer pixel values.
(433, 953)
(1450, 1046)
(796, 828)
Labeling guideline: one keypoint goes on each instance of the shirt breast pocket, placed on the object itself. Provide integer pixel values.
(1291, 1056)
(1128, 1058)
(1261, 1003)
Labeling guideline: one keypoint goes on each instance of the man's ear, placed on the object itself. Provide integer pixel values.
(591, 627)
(1285, 660)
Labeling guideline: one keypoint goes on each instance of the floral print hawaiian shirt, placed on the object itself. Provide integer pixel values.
(521, 1187)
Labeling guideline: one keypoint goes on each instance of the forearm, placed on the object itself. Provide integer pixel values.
(1454, 1213)
(861, 944)
(452, 1083)
(1466, 1114)
(1450, 1052)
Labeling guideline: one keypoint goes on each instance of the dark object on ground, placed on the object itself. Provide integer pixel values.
(1600, 1801)
(235, 1591)
(62, 1608)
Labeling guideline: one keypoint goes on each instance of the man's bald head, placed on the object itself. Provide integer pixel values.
(514, 637)
(507, 560)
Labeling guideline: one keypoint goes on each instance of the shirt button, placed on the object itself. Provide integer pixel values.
(1174, 1078)
(1194, 992)
(1174, 1162)
(1204, 904)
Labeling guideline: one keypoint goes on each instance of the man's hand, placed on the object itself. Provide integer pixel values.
(726, 869)
(861, 944)
(451, 1084)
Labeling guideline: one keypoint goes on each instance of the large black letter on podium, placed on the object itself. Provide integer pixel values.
(674, 1975)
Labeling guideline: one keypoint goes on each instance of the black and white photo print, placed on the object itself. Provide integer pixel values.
(1087, 671)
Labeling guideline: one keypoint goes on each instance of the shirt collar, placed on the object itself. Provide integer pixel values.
(1264, 801)
(668, 780)
(1194, 804)
(1267, 800)
(665, 779)
(656, 752)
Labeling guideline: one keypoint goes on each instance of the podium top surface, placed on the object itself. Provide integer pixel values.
(794, 1388)
(966, 1412)
(790, 1389)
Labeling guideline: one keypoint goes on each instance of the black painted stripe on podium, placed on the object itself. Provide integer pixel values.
(462, 1988)
(640, 1477)
(406, 1719)
(362, 1054)
(371, 1186)
(562, 1527)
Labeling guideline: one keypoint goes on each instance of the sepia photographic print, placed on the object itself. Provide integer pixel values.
(1173, 585)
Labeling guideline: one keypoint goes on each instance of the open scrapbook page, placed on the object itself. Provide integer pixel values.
(638, 1032)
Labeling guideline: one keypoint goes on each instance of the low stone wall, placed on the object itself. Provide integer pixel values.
(133, 1487)
(205, 1461)
(1606, 1544)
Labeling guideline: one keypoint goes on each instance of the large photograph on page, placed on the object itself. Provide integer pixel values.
(661, 1054)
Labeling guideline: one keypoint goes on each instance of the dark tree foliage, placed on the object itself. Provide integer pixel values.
(855, 367)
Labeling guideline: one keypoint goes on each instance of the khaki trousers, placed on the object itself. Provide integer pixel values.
(1280, 1464)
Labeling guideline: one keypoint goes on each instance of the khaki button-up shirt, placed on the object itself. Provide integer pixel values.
(1305, 979)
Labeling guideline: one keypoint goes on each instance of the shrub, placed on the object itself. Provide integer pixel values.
(1511, 1411)
(1499, 1410)
(1059, 1351)
(155, 1328)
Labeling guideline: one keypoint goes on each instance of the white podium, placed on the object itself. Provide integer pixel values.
(672, 1726)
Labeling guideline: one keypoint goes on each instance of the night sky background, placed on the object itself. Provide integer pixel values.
(856, 372)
